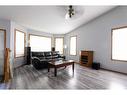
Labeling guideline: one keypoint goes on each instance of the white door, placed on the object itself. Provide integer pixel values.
(2, 50)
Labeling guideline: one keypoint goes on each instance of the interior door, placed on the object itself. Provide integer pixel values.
(2, 50)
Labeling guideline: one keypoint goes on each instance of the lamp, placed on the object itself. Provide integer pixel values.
(70, 12)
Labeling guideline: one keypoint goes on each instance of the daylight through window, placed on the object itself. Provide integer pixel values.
(119, 44)
(40, 43)
(73, 45)
(19, 43)
(59, 45)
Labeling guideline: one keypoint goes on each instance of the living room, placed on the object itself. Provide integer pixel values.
(38, 35)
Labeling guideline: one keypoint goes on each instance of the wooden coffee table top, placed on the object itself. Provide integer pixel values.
(61, 62)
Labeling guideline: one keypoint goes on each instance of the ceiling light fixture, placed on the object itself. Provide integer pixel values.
(70, 12)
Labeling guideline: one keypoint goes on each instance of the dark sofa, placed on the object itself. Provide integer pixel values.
(40, 59)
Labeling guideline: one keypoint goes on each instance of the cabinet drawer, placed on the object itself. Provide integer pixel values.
(84, 53)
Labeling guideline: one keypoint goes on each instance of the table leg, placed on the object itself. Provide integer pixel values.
(73, 68)
(48, 68)
(55, 72)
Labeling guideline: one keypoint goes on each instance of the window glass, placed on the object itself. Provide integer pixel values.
(40, 43)
(59, 45)
(20, 43)
(119, 44)
(73, 45)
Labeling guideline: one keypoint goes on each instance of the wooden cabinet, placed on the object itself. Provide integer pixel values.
(86, 58)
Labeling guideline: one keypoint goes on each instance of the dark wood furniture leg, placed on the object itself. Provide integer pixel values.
(48, 68)
(55, 71)
(73, 68)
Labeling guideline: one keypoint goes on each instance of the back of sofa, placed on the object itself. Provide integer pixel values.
(37, 54)
(46, 55)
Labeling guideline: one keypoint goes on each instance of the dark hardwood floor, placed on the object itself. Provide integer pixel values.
(27, 77)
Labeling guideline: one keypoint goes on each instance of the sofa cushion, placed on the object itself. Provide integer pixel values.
(55, 54)
(48, 55)
(37, 54)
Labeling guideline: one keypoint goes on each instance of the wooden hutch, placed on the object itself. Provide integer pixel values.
(86, 58)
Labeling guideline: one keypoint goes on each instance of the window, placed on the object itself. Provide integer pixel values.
(73, 45)
(40, 43)
(119, 44)
(19, 43)
(59, 45)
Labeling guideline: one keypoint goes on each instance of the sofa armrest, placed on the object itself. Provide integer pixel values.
(33, 58)
(62, 56)
(35, 62)
(39, 63)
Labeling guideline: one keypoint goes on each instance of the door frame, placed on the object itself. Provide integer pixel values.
(4, 38)
(4, 42)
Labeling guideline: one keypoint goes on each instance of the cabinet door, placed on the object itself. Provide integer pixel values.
(2, 51)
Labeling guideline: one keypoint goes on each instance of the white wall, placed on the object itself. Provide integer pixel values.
(9, 26)
(5, 24)
(96, 36)
(17, 61)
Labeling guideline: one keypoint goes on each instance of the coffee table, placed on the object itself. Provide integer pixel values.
(61, 63)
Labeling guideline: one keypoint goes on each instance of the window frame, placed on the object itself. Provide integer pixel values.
(70, 46)
(39, 36)
(15, 43)
(112, 44)
(55, 43)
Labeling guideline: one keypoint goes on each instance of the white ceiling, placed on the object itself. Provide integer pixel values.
(51, 19)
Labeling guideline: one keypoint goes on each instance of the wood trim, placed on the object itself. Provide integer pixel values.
(15, 42)
(119, 27)
(70, 45)
(114, 71)
(55, 42)
(112, 42)
(39, 36)
(4, 38)
(4, 48)
(3, 30)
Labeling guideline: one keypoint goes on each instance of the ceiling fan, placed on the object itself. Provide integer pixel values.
(74, 12)
(70, 12)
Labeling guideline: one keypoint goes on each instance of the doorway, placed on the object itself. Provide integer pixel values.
(2, 50)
